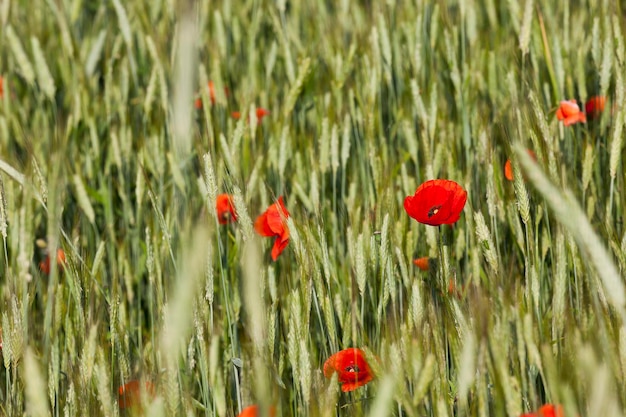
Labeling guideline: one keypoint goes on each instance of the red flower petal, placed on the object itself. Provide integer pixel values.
(570, 113)
(273, 223)
(436, 202)
(225, 209)
(351, 368)
(550, 410)
(422, 263)
(129, 394)
(595, 106)
(44, 265)
(253, 411)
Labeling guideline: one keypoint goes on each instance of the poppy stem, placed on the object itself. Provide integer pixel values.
(445, 236)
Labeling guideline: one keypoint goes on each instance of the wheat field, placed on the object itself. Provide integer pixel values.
(114, 150)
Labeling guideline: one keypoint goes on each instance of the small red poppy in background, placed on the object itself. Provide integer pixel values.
(260, 114)
(547, 410)
(1, 87)
(351, 367)
(436, 202)
(273, 223)
(253, 411)
(225, 209)
(422, 263)
(570, 113)
(508, 168)
(211, 85)
(595, 106)
(550, 410)
(455, 291)
(129, 394)
(44, 265)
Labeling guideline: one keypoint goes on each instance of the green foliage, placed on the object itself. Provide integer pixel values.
(103, 154)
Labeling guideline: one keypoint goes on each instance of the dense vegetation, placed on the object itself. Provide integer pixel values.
(107, 153)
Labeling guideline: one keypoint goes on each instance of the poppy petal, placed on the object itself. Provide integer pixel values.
(279, 247)
(436, 202)
(261, 226)
(351, 367)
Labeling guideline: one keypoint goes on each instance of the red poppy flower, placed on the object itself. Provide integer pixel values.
(422, 263)
(44, 265)
(436, 202)
(129, 394)
(211, 85)
(455, 291)
(547, 410)
(225, 209)
(595, 106)
(260, 114)
(508, 168)
(253, 411)
(351, 367)
(273, 223)
(1, 87)
(570, 113)
(550, 410)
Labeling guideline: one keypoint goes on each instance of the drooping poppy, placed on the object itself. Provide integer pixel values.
(253, 411)
(595, 106)
(129, 394)
(225, 209)
(44, 266)
(508, 168)
(422, 263)
(436, 202)
(351, 368)
(273, 223)
(570, 113)
(260, 114)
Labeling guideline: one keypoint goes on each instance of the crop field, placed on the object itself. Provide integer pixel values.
(312, 208)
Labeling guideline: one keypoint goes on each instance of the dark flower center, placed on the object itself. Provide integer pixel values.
(433, 211)
(352, 368)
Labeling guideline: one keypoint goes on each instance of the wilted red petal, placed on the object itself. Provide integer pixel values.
(351, 367)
